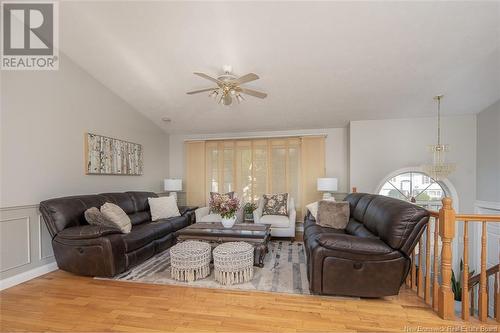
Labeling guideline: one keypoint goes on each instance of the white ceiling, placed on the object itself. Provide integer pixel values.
(322, 64)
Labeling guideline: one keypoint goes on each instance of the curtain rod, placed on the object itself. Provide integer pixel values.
(256, 137)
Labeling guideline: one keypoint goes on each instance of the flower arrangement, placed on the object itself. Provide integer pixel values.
(249, 207)
(225, 206)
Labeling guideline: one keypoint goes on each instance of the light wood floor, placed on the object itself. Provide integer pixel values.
(60, 301)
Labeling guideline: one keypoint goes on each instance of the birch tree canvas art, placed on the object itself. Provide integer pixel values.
(109, 156)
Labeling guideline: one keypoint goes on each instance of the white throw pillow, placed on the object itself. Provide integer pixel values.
(313, 207)
(117, 216)
(163, 208)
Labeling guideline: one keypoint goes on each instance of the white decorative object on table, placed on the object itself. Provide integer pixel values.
(233, 263)
(227, 207)
(190, 261)
(228, 222)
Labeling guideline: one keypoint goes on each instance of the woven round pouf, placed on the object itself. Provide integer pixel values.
(233, 263)
(190, 261)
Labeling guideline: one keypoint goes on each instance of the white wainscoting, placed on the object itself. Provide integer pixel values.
(25, 245)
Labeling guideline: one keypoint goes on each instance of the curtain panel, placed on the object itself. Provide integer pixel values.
(253, 167)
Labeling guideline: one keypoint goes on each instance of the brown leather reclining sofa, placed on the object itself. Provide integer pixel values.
(371, 257)
(102, 251)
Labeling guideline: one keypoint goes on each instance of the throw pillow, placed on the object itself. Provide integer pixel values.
(214, 195)
(275, 204)
(94, 217)
(163, 208)
(313, 207)
(117, 217)
(333, 214)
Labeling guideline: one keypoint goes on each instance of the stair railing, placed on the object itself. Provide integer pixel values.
(431, 278)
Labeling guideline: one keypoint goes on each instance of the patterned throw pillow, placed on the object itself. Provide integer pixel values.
(117, 216)
(214, 195)
(275, 204)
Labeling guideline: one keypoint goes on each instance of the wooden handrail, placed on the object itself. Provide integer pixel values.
(477, 218)
(470, 217)
(476, 278)
(445, 225)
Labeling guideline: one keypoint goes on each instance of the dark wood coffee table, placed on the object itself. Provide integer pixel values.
(256, 234)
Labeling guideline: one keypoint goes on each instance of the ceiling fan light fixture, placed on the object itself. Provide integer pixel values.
(227, 99)
(229, 86)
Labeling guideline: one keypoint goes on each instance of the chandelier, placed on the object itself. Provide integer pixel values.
(439, 169)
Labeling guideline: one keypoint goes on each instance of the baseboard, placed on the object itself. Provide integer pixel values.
(28, 275)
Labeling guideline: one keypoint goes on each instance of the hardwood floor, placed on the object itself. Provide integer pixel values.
(60, 301)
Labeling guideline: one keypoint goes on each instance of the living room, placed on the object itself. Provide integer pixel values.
(250, 166)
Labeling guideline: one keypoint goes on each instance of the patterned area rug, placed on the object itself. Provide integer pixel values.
(284, 271)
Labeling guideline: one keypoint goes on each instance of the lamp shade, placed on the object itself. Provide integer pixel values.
(327, 184)
(171, 184)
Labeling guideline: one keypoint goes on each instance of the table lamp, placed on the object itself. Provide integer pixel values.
(327, 185)
(172, 186)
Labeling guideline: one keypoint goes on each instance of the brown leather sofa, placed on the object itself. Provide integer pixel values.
(371, 257)
(102, 251)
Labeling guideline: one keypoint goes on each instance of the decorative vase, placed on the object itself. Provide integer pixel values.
(228, 222)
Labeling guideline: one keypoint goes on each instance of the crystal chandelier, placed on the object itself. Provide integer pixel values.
(439, 169)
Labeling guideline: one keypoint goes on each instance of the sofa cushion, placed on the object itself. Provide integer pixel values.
(87, 232)
(359, 210)
(61, 213)
(140, 236)
(166, 226)
(140, 217)
(140, 200)
(277, 221)
(356, 248)
(358, 229)
(122, 200)
(393, 220)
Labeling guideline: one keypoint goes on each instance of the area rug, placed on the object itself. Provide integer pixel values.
(284, 271)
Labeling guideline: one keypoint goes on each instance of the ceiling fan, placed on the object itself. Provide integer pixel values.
(229, 87)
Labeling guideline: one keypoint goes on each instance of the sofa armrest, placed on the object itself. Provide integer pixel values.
(87, 232)
(257, 213)
(354, 244)
(200, 212)
(292, 213)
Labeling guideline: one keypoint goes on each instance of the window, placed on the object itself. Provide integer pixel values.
(415, 187)
(254, 167)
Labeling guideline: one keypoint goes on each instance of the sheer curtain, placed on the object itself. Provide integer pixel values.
(253, 167)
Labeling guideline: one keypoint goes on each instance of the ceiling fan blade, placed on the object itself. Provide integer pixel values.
(252, 92)
(201, 90)
(205, 76)
(247, 78)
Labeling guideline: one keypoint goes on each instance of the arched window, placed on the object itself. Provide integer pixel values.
(416, 187)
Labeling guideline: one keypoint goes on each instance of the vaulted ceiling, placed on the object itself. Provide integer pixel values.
(322, 63)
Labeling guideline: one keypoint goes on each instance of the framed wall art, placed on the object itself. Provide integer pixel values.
(109, 156)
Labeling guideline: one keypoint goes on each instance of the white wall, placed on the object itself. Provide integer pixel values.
(44, 115)
(379, 147)
(488, 154)
(335, 146)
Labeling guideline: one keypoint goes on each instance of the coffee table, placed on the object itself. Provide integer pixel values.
(214, 232)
